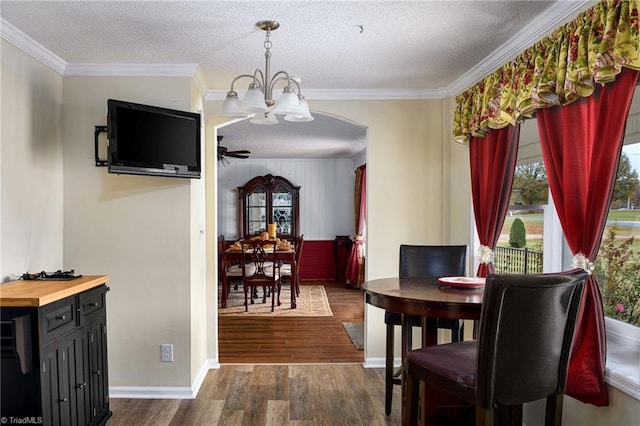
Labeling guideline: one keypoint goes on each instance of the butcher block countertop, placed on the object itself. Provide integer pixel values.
(34, 293)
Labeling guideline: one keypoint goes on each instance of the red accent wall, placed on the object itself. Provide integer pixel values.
(317, 261)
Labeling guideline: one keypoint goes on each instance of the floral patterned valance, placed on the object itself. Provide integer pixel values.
(557, 70)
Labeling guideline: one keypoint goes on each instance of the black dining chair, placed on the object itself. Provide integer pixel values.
(521, 354)
(422, 261)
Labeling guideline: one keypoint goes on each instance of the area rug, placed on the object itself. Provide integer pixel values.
(312, 302)
(355, 330)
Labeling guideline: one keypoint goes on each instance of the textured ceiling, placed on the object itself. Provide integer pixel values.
(417, 48)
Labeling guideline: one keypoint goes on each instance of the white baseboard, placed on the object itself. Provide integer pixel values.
(164, 392)
(151, 392)
(380, 362)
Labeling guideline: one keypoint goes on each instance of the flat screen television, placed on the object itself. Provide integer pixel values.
(150, 140)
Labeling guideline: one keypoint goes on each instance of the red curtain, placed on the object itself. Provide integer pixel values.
(493, 161)
(355, 264)
(581, 145)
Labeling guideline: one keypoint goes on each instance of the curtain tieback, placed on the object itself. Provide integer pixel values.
(581, 261)
(486, 254)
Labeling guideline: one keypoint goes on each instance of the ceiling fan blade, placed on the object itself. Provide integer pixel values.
(236, 154)
(224, 152)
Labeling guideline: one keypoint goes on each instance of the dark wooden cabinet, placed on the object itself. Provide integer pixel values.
(98, 380)
(341, 250)
(64, 389)
(269, 199)
(67, 382)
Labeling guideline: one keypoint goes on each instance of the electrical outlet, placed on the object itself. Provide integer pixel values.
(166, 352)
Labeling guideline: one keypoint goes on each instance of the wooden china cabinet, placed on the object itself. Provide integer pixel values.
(269, 199)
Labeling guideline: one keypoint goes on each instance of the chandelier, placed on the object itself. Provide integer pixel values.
(259, 100)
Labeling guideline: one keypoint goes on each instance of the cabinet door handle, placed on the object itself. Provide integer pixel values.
(93, 304)
(81, 385)
(63, 400)
(97, 372)
(61, 317)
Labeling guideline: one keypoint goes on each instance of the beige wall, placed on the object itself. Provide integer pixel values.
(198, 290)
(211, 230)
(623, 410)
(458, 222)
(31, 207)
(404, 175)
(136, 229)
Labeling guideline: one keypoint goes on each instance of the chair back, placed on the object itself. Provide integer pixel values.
(221, 248)
(432, 261)
(221, 243)
(526, 332)
(259, 267)
(299, 243)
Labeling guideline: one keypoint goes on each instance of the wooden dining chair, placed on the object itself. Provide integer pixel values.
(260, 269)
(286, 271)
(422, 261)
(522, 352)
(233, 272)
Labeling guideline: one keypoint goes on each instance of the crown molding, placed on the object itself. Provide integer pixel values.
(351, 94)
(369, 94)
(31, 47)
(200, 81)
(131, 70)
(556, 16)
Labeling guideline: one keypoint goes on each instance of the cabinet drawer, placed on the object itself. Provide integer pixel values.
(91, 301)
(58, 318)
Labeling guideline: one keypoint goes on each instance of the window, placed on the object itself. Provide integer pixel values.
(618, 263)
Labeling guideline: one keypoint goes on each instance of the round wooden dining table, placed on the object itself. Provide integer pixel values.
(424, 297)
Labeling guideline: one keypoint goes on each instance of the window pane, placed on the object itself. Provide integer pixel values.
(617, 266)
(282, 213)
(256, 212)
(520, 246)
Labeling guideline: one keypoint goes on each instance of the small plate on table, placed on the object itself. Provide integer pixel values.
(462, 282)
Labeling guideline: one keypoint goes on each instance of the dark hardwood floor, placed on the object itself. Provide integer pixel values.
(297, 340)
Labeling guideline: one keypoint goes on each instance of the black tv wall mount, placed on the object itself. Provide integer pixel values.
(98, 130)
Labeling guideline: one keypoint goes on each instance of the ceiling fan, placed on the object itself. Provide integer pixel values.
(223, 152)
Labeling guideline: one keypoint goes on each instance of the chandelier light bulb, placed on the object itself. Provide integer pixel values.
(288, 103)
(253, 100)
(268, 118)
(301, 118)
(231, 106)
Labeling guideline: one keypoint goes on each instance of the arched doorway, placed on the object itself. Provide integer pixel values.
(321, 158)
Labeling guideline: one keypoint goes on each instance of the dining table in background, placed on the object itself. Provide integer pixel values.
(425, 297)
(233, 255)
